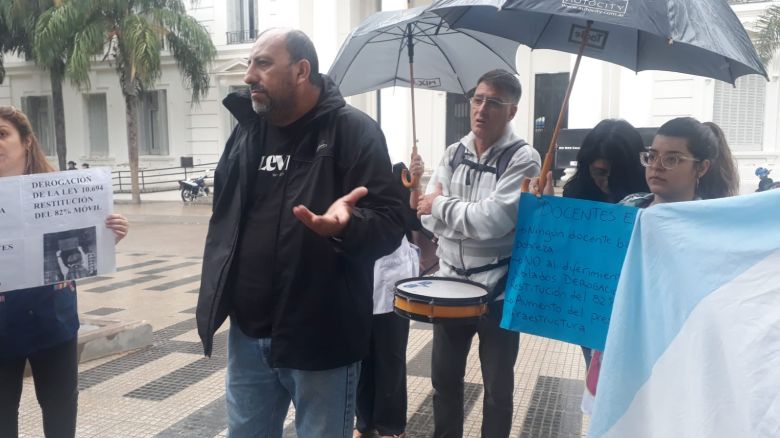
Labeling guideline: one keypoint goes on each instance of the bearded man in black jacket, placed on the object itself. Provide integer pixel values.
(304, 204)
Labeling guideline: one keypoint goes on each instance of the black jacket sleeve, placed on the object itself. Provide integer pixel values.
(377, 225)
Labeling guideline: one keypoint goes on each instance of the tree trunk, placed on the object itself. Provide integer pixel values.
(131, 105)
(55, 75)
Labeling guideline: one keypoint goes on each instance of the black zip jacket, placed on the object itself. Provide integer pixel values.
(322, 287)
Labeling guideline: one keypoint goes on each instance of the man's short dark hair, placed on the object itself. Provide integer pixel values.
(299, 46)
(505, 82)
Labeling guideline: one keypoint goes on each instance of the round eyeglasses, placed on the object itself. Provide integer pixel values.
(668, 161)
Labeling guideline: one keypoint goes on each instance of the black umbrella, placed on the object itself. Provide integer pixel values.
(699, 37)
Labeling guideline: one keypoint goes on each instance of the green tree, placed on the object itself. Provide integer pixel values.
(768, 38)
(17, 35)
(133, 35)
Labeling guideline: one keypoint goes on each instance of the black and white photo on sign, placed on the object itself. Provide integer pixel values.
(53, 228)
(70, 255)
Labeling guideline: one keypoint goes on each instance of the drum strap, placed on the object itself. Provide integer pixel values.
(478, 269)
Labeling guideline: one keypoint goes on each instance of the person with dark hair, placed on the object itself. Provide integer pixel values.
(471, 205)
(39, 325)
(382, 396)
(72, 165)
(608, 167)
(687, 161)
(304, 205)
(85, 165)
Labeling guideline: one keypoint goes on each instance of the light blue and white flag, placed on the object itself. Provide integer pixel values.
(693, 348)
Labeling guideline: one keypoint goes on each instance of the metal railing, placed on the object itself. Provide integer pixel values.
(159, 179)
(241, 36)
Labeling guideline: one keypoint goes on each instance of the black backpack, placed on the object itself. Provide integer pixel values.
(501, 163)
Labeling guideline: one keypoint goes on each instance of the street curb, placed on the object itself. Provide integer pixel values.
(110, 337)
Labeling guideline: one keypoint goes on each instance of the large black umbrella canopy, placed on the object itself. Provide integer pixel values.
(698, 37)
(417, 49)
(377, 53)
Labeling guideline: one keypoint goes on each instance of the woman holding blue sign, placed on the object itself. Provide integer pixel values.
(40, 324)
(608, 169)
(687, 161)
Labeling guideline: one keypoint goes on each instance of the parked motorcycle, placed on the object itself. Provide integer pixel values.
(765, 182)
(194, 188)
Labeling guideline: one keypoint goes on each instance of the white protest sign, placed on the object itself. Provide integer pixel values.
(52, 227)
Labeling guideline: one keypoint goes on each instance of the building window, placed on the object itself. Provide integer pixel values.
(458, 122)
(243, 21)
(739, 111)
(153, 123)
(41, 114)
(97, 119)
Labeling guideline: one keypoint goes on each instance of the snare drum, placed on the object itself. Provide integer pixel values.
(440, 300)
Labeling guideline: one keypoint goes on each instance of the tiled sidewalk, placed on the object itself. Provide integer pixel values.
(171, 390)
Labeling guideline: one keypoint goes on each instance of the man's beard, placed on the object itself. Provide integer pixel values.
(282, 101)
(261, 108)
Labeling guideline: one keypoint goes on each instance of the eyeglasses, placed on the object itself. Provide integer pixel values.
(490, 103)
(668, 161)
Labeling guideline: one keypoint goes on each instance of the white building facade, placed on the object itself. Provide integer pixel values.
(172, 128)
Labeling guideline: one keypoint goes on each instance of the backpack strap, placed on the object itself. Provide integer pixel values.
(457, 159)
(501, 163)
(506, 156)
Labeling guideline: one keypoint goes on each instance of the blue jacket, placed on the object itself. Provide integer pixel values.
(37, 318)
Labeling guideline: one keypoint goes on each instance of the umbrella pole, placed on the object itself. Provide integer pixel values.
(414, 182)
(548, 159)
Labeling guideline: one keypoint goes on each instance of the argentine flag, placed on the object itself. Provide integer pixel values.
(693, 348)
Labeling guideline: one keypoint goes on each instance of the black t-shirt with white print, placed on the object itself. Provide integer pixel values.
(252, 278)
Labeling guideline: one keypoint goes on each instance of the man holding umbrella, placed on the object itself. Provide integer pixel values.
(471, 205)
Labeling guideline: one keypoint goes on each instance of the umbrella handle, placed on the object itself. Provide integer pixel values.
(412, 183)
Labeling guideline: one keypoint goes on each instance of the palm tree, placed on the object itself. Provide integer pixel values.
(133, 34)
(768, 39)
(17, 32)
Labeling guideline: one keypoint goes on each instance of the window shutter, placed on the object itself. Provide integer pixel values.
(739, 111)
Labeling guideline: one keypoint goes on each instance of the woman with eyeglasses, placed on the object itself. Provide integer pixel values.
(688, 160)
(38, 325)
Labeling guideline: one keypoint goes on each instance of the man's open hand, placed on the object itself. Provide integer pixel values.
(333, 222)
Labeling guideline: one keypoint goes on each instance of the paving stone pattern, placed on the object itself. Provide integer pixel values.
(170, 389)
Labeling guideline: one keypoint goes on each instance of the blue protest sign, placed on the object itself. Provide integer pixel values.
(565, 268)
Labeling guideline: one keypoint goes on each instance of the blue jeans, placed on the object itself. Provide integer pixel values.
(258, 396)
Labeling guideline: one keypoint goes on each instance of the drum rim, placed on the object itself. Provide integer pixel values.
(444, 321)
(442, 300)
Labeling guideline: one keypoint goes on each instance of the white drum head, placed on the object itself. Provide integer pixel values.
(441, 288)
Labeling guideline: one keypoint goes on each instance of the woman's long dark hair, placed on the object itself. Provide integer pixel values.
(706, 141)
(619, 143)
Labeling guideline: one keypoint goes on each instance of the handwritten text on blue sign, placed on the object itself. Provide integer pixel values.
(565, 268)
